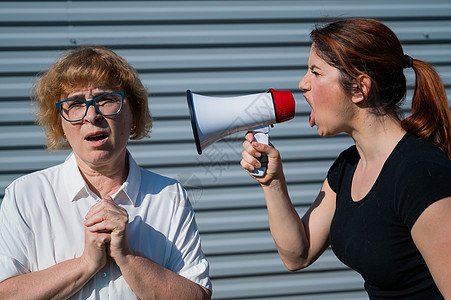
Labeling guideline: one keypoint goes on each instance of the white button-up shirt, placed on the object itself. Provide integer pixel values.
(41, 224)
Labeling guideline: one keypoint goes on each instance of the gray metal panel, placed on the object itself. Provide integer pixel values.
(222, 48)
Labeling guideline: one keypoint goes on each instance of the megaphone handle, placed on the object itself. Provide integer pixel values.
(261, 136)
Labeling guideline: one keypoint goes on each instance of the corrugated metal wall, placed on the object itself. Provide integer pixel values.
(220, 48)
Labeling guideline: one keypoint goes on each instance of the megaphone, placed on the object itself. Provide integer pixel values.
(214, 118)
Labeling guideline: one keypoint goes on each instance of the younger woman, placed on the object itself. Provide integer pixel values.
(385, 206)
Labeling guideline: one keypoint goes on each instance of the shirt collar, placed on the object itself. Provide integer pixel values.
(77, 188)
(131, 185)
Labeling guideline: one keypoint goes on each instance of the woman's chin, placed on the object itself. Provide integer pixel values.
(322, 132)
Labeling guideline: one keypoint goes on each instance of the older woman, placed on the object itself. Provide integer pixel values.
(97, 226)
(385, 206)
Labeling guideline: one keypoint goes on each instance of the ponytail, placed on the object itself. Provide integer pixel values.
(430, 119)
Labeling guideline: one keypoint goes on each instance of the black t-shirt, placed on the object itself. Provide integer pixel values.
(372, 236)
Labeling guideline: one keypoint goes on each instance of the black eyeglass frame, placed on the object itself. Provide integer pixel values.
(88, 103)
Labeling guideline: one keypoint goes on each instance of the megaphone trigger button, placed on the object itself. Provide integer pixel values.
(263, 160)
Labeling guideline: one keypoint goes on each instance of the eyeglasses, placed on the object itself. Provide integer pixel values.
(74, 110)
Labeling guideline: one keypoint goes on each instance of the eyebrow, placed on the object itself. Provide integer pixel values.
(314, 67)
(82, 95)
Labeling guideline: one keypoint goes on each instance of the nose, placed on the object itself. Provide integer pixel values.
(304, 84)
(92, 115)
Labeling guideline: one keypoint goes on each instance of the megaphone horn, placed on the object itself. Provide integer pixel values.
(214, 118)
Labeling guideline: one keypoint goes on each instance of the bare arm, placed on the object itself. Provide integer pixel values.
(61, 280)
(299, 241)
(57, 282)
(432, 235)
(147, 279)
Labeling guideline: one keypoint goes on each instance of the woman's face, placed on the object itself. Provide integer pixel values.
(332, 108)
(98, 141)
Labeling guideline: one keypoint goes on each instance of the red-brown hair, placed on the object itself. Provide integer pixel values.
(359, 46)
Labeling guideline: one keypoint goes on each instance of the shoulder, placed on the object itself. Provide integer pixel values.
(347, 156)
(422, 175)
(418, 158)
(27, 194)
(414, 149)
(154, 181)
(347, 159)
(36, 180)
(420, 164)
(157, 184)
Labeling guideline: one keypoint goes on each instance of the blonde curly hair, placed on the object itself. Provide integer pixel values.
(83, 67)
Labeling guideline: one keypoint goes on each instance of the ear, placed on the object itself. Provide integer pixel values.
(361, 89)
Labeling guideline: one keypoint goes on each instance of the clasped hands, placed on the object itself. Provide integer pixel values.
(106, 234)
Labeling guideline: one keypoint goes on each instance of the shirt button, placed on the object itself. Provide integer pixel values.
(104, 275)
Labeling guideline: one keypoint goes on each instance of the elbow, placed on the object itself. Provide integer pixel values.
(294, 267)
(297, 265)
(205, 293)
(295, 261)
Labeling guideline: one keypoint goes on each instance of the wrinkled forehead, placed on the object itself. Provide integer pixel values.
(90, 92)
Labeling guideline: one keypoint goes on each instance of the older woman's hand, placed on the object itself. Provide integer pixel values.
(107, 217)
(95, 255)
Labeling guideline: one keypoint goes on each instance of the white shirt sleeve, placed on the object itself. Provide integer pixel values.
(15, 238)
(187, 258)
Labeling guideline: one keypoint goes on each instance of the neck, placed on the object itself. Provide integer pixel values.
(105, 180)
(376, 138)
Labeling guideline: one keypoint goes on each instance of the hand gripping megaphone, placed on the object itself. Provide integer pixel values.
(214, 118)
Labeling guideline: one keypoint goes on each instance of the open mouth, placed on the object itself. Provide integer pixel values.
(96, 137)
(312, 115)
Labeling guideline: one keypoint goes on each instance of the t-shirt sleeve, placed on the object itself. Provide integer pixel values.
(187, 258)
(335, 173)
(14, 234)
(421, 184)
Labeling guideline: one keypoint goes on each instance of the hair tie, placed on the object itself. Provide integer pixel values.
(408, 61)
